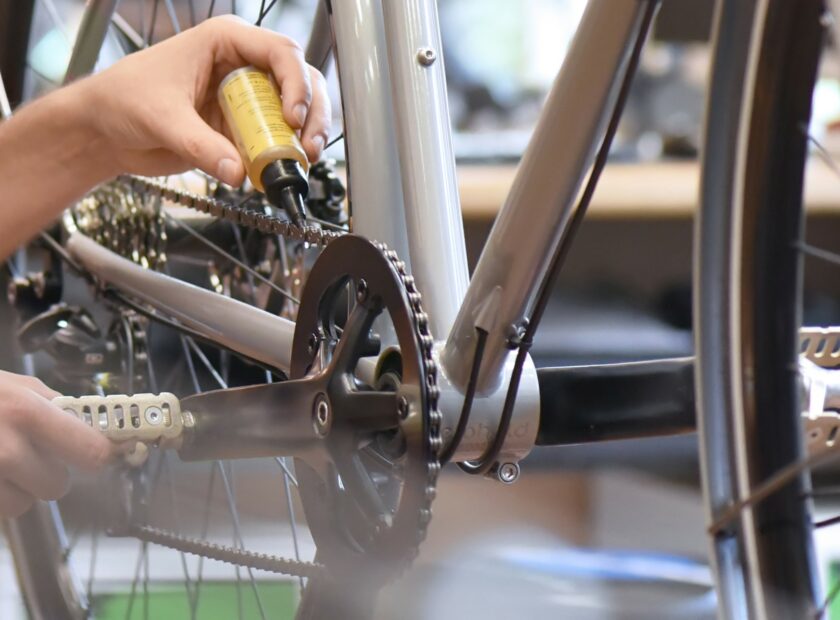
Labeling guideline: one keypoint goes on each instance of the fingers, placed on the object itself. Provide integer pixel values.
(59, 433)
(31, 383)
(240, 43)
(13, 501)
(316, 130)
(292, 76)
(31, 471)
(199, 145)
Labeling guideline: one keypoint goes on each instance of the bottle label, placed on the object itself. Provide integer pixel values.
(255, 113)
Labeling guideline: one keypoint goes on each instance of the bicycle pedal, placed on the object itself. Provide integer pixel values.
(152, 419)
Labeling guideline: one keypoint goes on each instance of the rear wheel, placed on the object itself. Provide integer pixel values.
(67, 567)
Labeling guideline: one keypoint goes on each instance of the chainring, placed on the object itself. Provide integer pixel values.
(369, 505)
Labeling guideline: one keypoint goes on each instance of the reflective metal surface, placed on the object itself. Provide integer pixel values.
(545, 189)
(374, 182)
(233, 324)
(430, 187)
(486, 412)
(92, 31)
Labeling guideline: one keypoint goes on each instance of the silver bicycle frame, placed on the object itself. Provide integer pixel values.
(542, 198)
(403, 192)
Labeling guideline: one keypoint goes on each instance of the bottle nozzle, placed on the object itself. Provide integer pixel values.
(292, 202)
(286, 187)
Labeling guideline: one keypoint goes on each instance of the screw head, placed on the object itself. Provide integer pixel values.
(426, 56)
(508, 473)
(153, 415)
(515, 333)
(402, 407)
(322, 415)
(361, 290)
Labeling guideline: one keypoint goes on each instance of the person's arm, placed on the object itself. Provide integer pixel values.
(152, 113)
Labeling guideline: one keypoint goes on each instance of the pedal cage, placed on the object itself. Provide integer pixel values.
(150, 419)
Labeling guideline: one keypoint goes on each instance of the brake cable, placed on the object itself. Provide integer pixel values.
(487, 460)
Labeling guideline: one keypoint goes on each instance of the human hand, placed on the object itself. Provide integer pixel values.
(37, 443)
(156, 111)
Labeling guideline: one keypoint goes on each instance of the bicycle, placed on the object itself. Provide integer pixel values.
(474, 397)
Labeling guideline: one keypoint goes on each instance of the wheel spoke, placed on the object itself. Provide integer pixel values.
(773, 484)
(824, 255)
(237, 530)
(146, 587)
(206, 362)
(173, 506)
(94, 553)
(334, 140)
(356, 480)
(281, 461)
(382, 462)
(197, 235)
(152, 23)
(55, 18)
(822, 152)
(129, 35)
(173, 16)
(237, 234)
(133, 594)
(204, 527)
(832, 594)
(827, 522)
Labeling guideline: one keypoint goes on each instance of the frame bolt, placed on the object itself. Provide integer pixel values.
(361, 290)
(426, 56)
(322, 415)
(402, 407)
(515, 334)
(508, 473)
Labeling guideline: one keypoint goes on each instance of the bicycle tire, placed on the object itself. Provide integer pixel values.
(748, 293)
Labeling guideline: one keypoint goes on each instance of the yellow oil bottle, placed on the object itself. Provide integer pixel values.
(274, 159)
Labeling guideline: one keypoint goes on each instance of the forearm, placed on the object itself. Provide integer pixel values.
(50, 155)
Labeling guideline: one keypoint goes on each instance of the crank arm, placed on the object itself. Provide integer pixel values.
(256, 421)
(291, 418)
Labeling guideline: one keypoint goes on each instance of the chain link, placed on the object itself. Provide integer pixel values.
(263, 222)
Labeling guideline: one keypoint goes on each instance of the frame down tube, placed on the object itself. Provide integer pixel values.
(541, 201)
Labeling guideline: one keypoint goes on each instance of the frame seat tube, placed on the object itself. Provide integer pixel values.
(427, 164)
(541, 201)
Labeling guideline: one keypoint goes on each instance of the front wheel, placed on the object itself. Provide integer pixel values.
(748, 293)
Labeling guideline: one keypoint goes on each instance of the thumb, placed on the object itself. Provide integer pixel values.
(201, 146)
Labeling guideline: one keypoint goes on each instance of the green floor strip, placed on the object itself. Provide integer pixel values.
(217, 601)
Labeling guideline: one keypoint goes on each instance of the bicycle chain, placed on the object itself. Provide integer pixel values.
(271, 224)
(262, 222)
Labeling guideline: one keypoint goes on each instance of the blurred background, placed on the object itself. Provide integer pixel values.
(598, 531)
